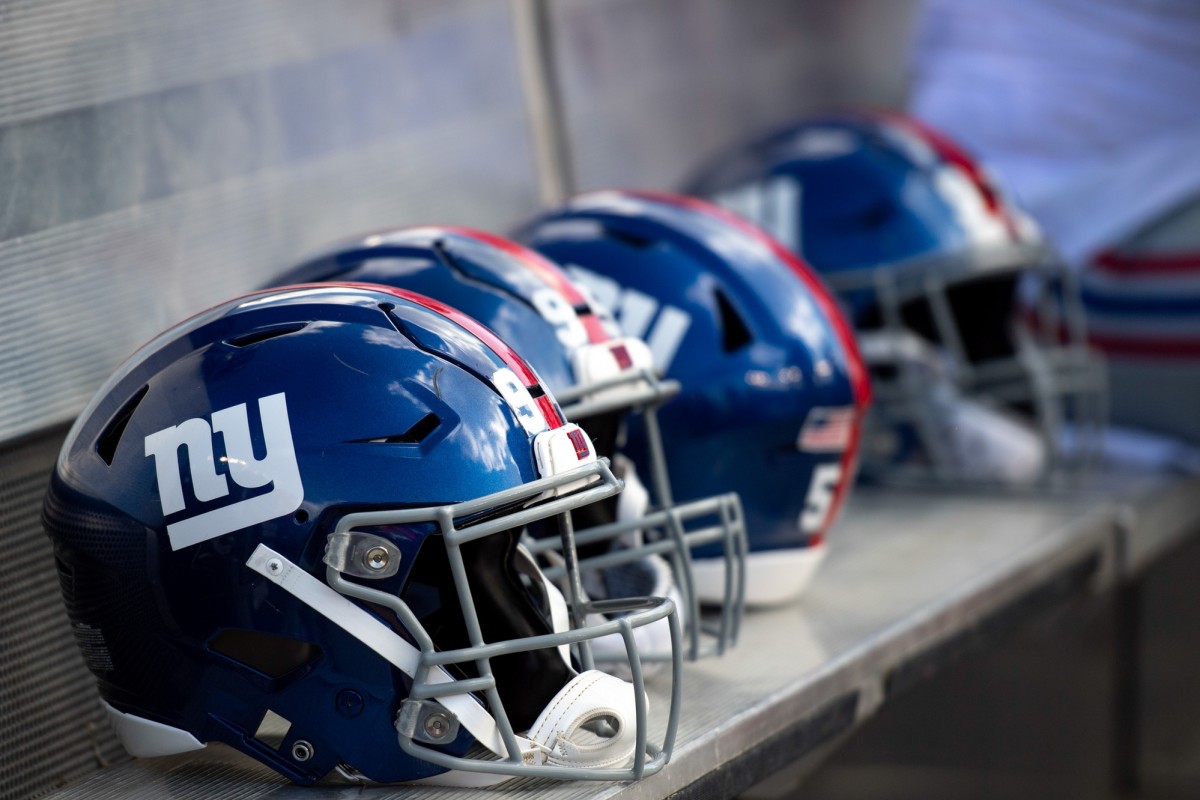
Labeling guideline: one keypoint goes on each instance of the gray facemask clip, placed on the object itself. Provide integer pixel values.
(363, 555)
(426, 721)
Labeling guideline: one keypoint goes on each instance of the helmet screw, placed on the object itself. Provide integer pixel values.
(436, 725)
(349, 703)
(274, 566)
(302, 750)
(377, 558)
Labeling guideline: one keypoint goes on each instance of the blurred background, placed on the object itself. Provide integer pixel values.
(158, 157)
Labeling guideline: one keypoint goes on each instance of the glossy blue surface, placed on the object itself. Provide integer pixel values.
(852, 193)
(477, 278)
(353, 374)
(735, 425)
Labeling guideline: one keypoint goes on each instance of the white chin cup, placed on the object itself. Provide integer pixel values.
(986, 445)
(591, 722)
(773, 577)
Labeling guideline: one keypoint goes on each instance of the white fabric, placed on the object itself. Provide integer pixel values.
(589, 697)
(1085, 108)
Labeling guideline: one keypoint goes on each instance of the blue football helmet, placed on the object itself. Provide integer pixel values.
(602, 379)
(290, 524)
(772, 384)
(938, 271)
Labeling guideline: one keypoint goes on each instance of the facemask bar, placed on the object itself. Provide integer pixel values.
(646, 392)
(901, 398)
(1052, 370)
(432, 687)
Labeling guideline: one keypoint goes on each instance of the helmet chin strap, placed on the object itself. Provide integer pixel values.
(589, 723)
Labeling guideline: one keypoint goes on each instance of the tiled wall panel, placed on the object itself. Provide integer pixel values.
(156, 158)
(651, 87)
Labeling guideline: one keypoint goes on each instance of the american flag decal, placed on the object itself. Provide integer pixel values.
(827, 430)
(580, 442)
(621, 354)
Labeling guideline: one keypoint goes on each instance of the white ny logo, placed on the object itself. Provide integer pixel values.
(277, 467)
(635, 312)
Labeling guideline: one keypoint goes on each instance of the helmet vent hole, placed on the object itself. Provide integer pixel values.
(630, 239)
(448, 258)
(262, 334)
(735, 334)
(106, 445)
(272, 730)
(271, 655)
(418, 433)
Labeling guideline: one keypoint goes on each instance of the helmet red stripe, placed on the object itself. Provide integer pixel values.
(1147, 263)
(595, 328)
(545, 269)
(510, 357)
(550, 411)
(949, 150)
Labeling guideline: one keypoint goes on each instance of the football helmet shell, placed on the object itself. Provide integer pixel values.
(600, 376)
(919, 240)
(290, 524)
(773, 387)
